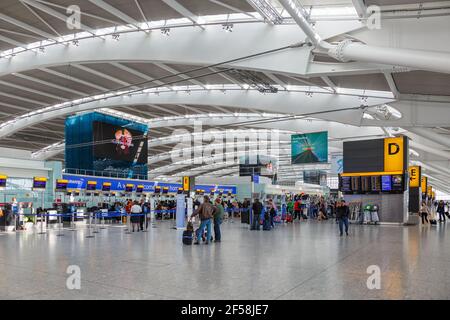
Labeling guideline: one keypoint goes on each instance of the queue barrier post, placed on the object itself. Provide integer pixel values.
(95, 222)
(90, 235)
(72, 222)
(103, 224)
(42, 223)
(61, 226)
(145, 229)
(128, 230)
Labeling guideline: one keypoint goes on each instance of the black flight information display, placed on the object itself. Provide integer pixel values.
(39, 183)
(61, 185)
(106, 187)
(3, 181)
(91, 186)
(365, 184)
(375, 182)
(372, 184)
(346, 184)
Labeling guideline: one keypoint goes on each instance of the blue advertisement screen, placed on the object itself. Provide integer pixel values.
(386, 183)
(309, 148)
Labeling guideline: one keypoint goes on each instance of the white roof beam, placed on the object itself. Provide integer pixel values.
(135, 109)
(194, 110)
(49, 84)
(137, 73)
(13, 42)
(309, 83)
(275, 79)
(173, 71)
(391, 82)
(329, 83)
(101, 74)
(222, 109)
(41, 19)
(116, 12)
(220, 3)
(38, 92)
(65, 76)
(25, 26)
(164, 110)
(175, 5)
(266, 10)
(360, 8)
(55, 14)
(227, 77)
(13, 96)
(141, 11)
(12, 106)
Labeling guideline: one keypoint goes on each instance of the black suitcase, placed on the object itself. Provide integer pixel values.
(188, 237)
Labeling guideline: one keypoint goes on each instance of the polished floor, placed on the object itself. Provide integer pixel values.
(301, 261)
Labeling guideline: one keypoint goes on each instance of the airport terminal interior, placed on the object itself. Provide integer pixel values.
(224, 149)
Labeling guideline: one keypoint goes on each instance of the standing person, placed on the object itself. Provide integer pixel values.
(342, 215)
(272, 212)
(257, 208)
(446, 208)
(297, 209)
(218, 218)
(322, 211)
(206, 212)
(424, 212)
(136, 210)
(441, 210)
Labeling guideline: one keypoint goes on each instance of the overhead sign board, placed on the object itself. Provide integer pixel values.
(414, 176)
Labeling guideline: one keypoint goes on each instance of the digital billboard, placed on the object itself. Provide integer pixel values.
(119, 149)
(262, 165)
(309, 148)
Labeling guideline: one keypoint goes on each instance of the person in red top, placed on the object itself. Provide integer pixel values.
(297, 209)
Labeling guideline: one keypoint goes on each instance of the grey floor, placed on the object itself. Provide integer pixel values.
(300, 261)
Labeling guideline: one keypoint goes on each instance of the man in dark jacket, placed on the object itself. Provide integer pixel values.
(256, 214)
(342, 213)
(441, 210)
(206, 212)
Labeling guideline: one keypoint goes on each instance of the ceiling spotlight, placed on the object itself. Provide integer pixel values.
(116, 36)
(165, 31)
(228, 27)
(75, 42)
(42, 49)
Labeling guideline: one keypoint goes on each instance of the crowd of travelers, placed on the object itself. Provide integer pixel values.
(431, 210)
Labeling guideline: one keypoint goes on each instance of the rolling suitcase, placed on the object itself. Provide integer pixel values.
(374, 217)
(188, 237)
(289, 218)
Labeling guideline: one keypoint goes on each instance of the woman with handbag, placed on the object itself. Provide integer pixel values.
(424, 212)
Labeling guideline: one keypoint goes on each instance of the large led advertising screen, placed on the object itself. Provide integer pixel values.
(309, 148)
(119, 149)
(118, 143)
